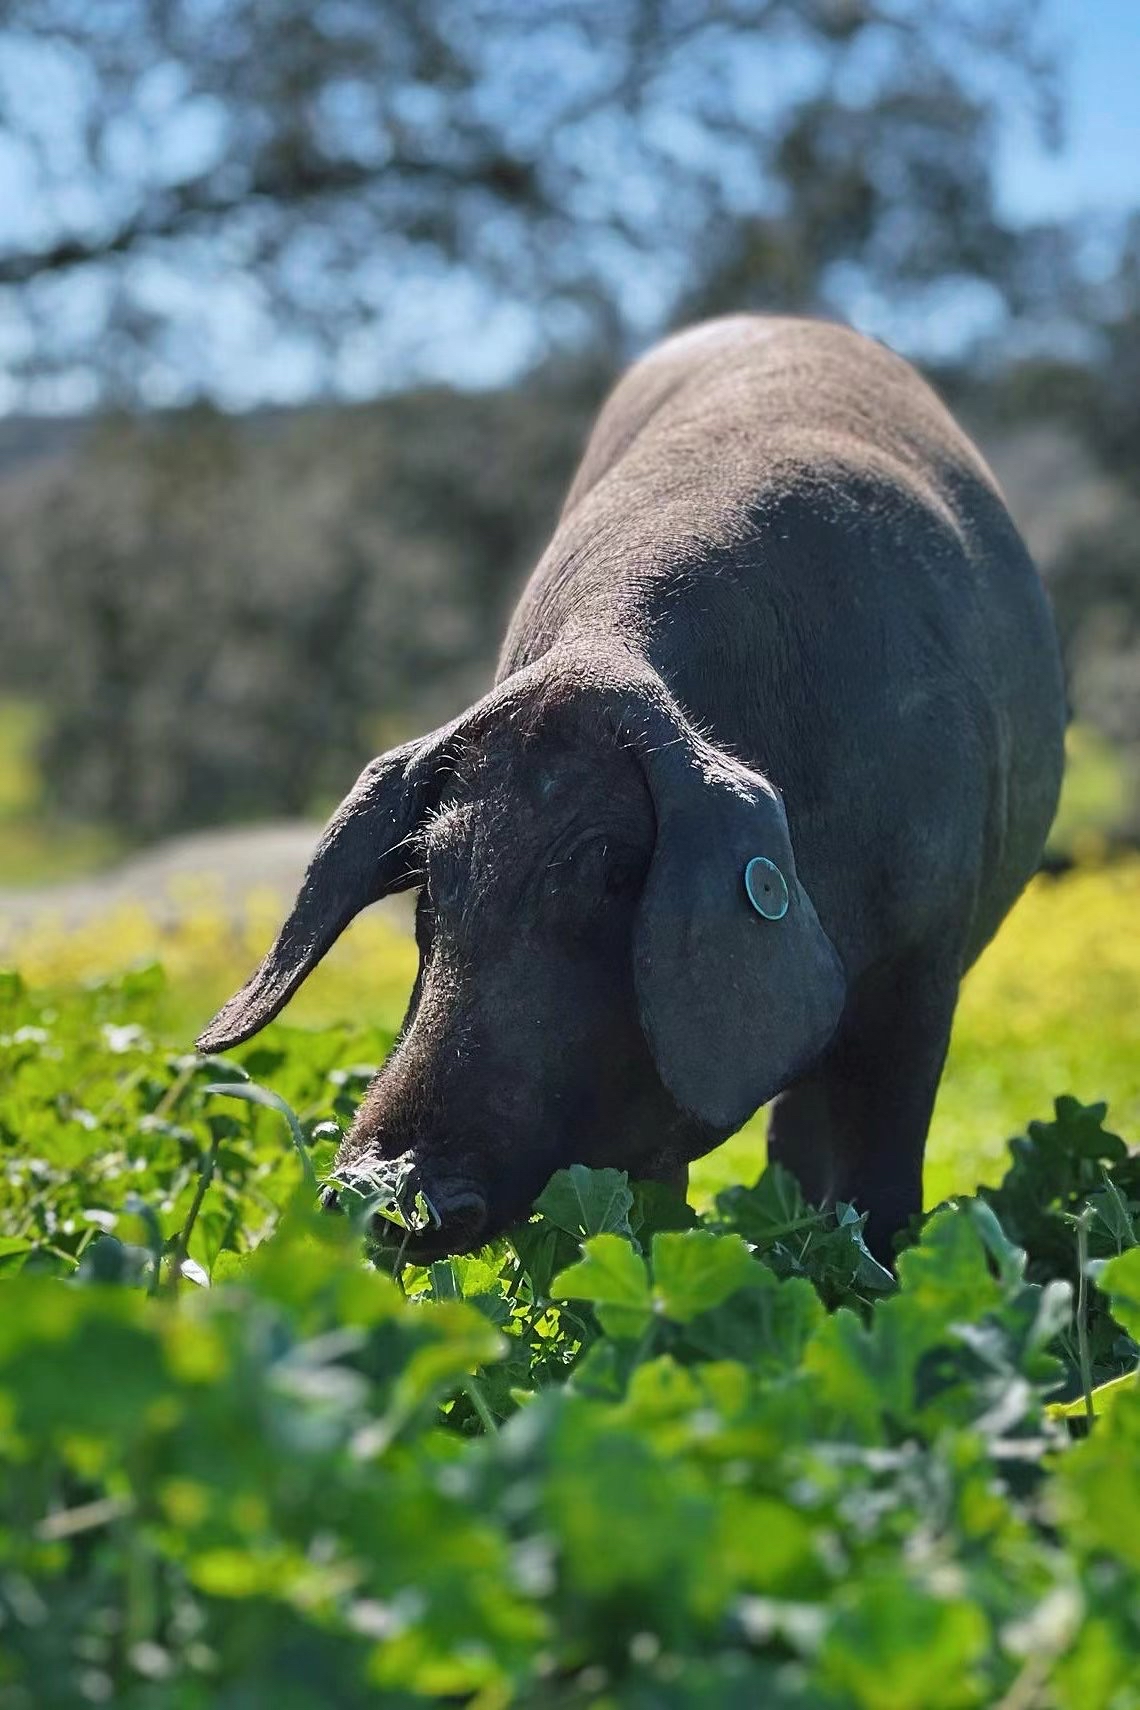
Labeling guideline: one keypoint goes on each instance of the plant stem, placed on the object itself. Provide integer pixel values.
(475, 1396)
(175, 1090)
(1083, 1354)
(182, 1245)
(138, 1207)
(250, 1093)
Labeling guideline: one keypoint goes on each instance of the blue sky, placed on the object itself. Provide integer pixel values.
(1098, 170)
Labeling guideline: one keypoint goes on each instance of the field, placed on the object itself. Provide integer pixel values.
(637, 1454)
(1049, 1009)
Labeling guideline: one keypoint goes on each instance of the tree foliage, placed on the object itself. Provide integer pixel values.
(227, 619)
(586, 162)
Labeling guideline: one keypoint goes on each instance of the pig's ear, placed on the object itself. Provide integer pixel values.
(364, 853)
(738, 985)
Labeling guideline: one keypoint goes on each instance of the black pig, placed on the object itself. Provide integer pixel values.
(775, 742)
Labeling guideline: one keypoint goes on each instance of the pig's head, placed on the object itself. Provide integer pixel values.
(598, 983)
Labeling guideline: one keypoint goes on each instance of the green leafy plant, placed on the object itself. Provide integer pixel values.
(623, 1456)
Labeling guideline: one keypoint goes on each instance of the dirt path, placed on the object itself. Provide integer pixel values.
(227, 865)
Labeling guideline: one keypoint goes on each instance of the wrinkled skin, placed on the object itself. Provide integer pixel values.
(785, 614)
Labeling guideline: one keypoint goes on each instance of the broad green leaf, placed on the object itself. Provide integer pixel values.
(1006, 1254)
(477, 1274)
(657, 1207)
(765, 1326)
(455, 1340)
(612, 1275)
(543, 1250)
(1120, 1280)
(867, 1272)
(587, 1202)
(948, 1269)
(772, 1210)
(632, 1527)
(796, 1239)
(695, 1271)
(79, 1361)
(1095, 1671)
(1097, 1487)
(1112, 1209)
(895, 1646)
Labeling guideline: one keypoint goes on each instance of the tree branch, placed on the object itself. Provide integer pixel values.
(511, 180)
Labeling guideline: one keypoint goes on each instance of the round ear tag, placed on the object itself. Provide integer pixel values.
(766, 888)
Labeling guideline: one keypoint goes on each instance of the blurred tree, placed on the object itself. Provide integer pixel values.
(1063, 421)
(316, 165)
(227, 616)
(1096, 578)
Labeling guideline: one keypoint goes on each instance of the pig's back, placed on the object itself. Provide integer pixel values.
(784, 517)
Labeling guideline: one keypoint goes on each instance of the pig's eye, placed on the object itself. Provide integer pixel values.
(624, 875)
(599, 865)
(619, 870)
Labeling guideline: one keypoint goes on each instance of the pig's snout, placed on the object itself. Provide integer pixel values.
(433, 1214)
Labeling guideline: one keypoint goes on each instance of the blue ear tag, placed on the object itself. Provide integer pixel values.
(766, 888)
